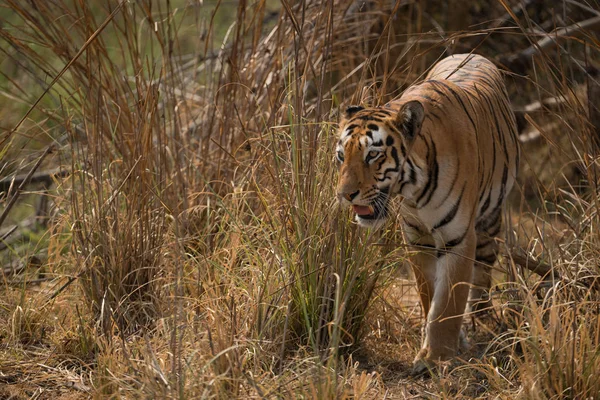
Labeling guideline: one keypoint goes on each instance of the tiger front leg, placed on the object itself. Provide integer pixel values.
(453, 273)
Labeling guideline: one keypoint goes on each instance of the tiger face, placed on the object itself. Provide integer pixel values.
(371, 153)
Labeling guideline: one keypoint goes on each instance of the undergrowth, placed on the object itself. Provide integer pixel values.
(194, 247)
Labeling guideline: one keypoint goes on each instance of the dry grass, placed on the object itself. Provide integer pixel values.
(195, 249)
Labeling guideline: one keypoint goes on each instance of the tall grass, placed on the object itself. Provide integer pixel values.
(200, 197)
(206, 254)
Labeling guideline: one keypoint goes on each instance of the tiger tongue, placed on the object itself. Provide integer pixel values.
(363, 210)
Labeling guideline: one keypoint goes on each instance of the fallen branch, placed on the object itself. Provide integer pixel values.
(39, 177)
(24, 183)
(518, 62)
(547, 102)
(516, 11)
(18, 266)
(540, 268)
(29, 282)
(61, 289)
(5, 235)
(10, 378)
(14, 268)
(534, 134)
(593, 97)
(7, 232)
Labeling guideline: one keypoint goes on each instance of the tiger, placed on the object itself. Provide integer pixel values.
(448, 146)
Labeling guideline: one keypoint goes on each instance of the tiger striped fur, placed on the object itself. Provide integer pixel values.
(449, 147)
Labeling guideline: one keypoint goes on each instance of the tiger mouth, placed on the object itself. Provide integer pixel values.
(377, 209)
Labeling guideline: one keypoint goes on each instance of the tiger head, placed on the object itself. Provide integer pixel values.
(372, 156)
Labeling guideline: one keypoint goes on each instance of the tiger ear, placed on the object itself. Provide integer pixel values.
(410, 119)
(350, 111)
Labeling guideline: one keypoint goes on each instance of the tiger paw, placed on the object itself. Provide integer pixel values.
(422, 363)
(429, 360)
(422, 367)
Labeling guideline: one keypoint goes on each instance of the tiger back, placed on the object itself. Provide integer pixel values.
(448, 146)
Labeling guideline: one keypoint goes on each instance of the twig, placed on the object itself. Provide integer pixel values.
(68, 283)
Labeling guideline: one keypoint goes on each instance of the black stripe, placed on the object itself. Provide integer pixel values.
(492, 111)
(454, 180)
(482, 190)
(448, 246)
(380, 163)
(384, 178)
(403, 183)
(486, 204)
(452, 213)
(369, 118)
(415, 227)
(509, 116)
(432, 115)
(495, 214)
(488, 258)
(493, 166)
(438, 91)
(429, 160)
(382, 113)
(389, 169)
(413, 173)
(432, 177)
(484, 224)
(503, 187)
(402, 150)
(426, 97)
(481, 245)
(453, 243)
(493, 84)
(496, 230)
(459, 99)
(395, 157)
(436, 173)
(484, 177)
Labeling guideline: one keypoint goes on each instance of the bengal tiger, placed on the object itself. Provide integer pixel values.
(448, 146)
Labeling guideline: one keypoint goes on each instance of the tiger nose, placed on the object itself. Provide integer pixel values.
(351, 196)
